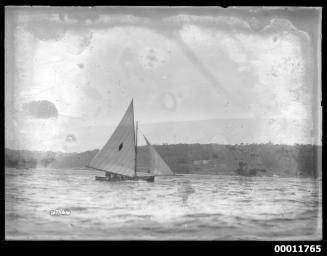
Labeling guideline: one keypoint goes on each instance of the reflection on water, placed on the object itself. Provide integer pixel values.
(176, 207)
(184, 189)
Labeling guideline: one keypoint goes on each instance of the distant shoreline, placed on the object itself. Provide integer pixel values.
(214, 159)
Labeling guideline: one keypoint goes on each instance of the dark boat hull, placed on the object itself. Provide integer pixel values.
(124, 178)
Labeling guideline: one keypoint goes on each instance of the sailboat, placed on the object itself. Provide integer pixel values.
(118, 156)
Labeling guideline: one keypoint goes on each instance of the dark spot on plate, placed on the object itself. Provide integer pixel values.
(40, 109)
(70, 138)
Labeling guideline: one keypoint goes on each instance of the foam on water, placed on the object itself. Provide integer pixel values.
(179, 207)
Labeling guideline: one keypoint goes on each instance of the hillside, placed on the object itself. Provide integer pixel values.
(245, 159)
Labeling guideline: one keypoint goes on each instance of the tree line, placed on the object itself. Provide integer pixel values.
(282, 160)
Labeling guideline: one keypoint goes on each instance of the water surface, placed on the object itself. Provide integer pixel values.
(197, 207)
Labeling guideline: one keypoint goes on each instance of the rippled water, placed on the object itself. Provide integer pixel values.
(197, 207)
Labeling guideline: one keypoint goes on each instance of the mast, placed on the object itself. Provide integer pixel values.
(135, 148)
(135, 139)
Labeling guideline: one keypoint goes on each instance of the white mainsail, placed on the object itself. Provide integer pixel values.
(118, 154)
(156, 164)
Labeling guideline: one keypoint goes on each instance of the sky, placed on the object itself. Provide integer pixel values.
(196, 75)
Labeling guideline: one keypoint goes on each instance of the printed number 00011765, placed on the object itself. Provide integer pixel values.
(297, 248)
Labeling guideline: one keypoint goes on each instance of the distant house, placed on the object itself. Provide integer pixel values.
(201, 162)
